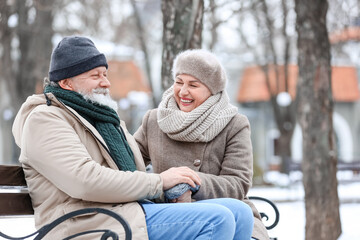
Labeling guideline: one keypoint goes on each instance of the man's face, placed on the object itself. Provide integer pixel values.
(93, 85)
(86, 82)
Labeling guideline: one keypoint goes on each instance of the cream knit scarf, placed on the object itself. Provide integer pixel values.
(202, 124)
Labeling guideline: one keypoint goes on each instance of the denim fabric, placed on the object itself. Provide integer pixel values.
(222, 218)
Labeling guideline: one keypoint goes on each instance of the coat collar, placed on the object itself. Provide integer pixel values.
(90, 127)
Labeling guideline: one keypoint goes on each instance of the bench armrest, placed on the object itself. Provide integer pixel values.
(106, 233)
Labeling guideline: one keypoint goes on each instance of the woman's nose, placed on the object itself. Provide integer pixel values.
(184, 90)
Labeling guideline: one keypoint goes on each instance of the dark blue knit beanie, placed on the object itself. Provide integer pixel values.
(73, 56)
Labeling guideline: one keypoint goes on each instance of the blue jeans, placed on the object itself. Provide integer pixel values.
(221, 218)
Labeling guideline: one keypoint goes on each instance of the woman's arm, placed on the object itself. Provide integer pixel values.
(141, 138)
(236, 170)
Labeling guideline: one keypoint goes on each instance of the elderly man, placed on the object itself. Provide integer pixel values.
(76, 153)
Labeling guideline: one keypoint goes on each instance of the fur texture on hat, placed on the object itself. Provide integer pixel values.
(73, 56)
(202, 65)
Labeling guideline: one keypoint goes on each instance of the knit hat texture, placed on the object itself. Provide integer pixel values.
(202, 65)
(73, 56)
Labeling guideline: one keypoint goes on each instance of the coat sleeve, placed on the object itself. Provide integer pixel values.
(236, 169)
(52, 147)
(142, 140)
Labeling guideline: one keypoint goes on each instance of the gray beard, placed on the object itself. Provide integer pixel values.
(101, 96)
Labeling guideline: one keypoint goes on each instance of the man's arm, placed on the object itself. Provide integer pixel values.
(53, 148)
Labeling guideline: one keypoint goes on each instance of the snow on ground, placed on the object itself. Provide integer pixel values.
(288, 199)
(292, 214)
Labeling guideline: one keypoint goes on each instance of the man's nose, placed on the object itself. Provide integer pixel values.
(105, 82)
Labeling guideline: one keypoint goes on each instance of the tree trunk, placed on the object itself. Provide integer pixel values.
(21, 73)
(315, 109)
(141, 36)
(284, 116)
(283, 150)
(35, 47)
(182, 27)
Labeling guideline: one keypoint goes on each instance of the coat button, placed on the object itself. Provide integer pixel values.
(197, 162)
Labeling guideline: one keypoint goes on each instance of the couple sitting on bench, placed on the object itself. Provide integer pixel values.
(76, 153)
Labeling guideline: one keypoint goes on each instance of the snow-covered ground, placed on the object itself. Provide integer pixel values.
(288, 196)
(289, 201)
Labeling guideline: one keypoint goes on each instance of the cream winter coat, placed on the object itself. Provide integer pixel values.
(68, 167)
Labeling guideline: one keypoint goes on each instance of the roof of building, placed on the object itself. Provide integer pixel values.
(124, 77)
(253, 86)
(351, 33)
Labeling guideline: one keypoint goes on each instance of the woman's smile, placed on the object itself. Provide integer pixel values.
(189, 92)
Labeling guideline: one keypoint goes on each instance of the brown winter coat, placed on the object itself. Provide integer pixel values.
(225, 164)
(67, 167)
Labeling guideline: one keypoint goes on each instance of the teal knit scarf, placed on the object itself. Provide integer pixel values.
(106, 122)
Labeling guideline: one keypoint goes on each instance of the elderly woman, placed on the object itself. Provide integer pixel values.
(196, 126)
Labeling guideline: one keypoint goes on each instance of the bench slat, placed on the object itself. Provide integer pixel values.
(12, 176)
(15, 204)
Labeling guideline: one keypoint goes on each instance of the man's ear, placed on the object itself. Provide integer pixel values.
(66, 84)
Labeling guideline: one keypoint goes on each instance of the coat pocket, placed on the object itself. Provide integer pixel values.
(82, 222)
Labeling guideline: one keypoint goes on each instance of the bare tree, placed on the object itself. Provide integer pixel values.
(26, 45)
(84, 17)
(35, 47)
(140, 33)
(26, 62)
(315, 110)
(273, 60)
(182, 27)
(216, 21)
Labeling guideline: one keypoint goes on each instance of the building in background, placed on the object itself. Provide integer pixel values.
(254, 99)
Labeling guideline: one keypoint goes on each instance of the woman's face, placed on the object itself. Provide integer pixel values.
(189, 92)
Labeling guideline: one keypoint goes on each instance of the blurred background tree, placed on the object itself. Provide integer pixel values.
(315, 112)
(25, 34)
(182, 29)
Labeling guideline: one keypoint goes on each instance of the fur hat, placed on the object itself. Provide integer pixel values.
(202, 65)
(73, 56)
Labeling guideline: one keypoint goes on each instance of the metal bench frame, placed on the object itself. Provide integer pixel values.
(19, 203)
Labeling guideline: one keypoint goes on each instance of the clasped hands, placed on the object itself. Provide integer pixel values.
(177, 175)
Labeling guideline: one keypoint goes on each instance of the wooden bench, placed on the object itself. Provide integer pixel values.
(15, 201)
(342, 166)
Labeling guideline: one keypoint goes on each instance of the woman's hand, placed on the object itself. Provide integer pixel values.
(176, 175)
(185, 198)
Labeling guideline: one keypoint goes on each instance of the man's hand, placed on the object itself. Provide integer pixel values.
(176, 175)
(185, 198)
